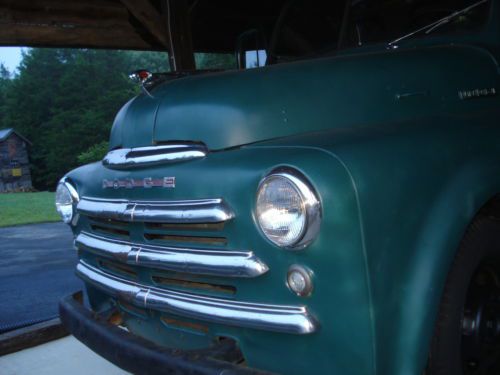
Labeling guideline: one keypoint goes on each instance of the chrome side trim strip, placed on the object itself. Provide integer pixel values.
(197, 261)
(278, 318)
(182, 212)
(126, 158)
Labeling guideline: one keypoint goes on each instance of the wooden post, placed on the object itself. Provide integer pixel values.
(179, 30)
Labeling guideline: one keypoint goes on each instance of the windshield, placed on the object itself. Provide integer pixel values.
(373, 21)
(307, 28)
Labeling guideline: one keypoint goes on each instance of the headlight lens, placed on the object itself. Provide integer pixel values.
(288, 210)
(66, 199)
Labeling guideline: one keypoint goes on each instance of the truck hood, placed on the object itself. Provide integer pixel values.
(229, 109)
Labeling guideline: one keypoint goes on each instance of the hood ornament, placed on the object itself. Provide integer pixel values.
(142, 77)
(148, 80)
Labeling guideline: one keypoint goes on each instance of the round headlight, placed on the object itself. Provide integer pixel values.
(66, 199)
(288, 210)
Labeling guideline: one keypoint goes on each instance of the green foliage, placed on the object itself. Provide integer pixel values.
(4, 86)
(152, 61)
(215, 61)
(93, 153)
(27, 208)
(4, 72)
(64, 101)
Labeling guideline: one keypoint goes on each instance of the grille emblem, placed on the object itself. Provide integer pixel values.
(145, 183)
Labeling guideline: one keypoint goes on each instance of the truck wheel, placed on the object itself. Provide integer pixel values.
(467, 334)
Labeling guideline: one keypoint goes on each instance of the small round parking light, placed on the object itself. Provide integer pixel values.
(299, 281)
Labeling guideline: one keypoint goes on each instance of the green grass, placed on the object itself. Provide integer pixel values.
(27, 208)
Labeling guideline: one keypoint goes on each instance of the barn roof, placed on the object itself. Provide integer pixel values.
(6, 133)
(190, 25)
(130, 24)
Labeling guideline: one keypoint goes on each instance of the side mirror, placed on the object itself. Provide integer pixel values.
(251, 49)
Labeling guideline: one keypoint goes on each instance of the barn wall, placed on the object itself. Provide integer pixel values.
(14, 161)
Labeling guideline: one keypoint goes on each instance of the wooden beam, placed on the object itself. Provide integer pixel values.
(46, 11)
(144, 23)
(150, 18)
(61, 17)
(62, 23)
(47, 35)
(30, 336)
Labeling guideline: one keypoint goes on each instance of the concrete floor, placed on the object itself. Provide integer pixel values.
(59, 357)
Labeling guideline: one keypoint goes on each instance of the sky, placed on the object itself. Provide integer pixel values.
(10, 57)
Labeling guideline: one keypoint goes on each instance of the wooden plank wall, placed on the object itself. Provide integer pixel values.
(14, 157)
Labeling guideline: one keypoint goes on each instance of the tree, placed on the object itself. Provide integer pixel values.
(152, 61)
(64, 101)
(215, 61)
(4, 86)
(94, 153)
(4, 72)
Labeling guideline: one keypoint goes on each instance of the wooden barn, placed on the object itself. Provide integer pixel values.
(14, 163)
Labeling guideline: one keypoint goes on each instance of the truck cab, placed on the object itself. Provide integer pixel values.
(329, 206)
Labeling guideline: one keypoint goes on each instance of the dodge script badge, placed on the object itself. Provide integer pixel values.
(148, 182)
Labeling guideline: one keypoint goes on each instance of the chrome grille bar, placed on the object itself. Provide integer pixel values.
(199, 261)
(127, 158)
(181, 212)
(286, 319)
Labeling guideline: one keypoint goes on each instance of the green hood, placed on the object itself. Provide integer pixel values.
(235, 108)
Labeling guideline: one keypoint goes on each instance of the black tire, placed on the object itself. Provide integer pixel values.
(457, 347)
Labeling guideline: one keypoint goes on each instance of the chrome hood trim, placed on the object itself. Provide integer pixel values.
(128, 158)
(182, 212)
(278, 318)
(197, 261)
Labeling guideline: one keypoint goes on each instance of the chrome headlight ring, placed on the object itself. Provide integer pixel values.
(288, 209)
(66, 200)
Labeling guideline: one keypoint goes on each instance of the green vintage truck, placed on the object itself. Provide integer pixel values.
(331, 206)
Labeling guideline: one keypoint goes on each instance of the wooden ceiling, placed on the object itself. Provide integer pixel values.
(83, 23)
(208, 25)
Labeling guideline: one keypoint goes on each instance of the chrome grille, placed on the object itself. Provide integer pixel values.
(198, 261)
(287, 319)
(109, 227)
(178, 212)
(162, 224)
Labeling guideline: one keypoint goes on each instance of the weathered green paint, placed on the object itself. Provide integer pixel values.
(399, 177)
(338, 269)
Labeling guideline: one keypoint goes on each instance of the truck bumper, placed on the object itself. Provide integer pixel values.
(140, 356)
